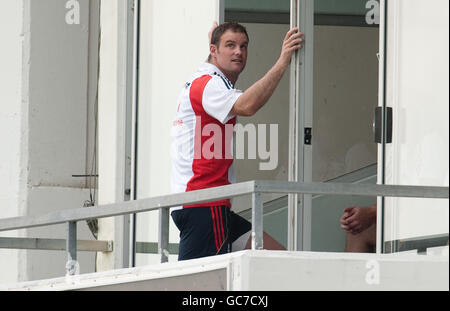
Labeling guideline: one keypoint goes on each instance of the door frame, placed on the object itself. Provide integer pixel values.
(300, 117)
(382, 100)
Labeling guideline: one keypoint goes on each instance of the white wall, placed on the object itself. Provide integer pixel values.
(269, 271)
(417, 90)
(13, 134)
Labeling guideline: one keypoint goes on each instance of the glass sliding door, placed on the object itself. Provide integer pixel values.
(266, 34)
(418, 94)
(341, 88)
(350, 80)
(345, 95)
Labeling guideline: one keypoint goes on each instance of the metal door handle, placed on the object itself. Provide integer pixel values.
(378, 125)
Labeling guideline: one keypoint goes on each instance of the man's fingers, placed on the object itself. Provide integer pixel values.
(214, 26)
(352, 218)
(290, 32)
(294, 48)
(293, 35)
(351, 224)
(348, 209)
(294, 43)
(344, 220)
(346, 215)
(294, 38)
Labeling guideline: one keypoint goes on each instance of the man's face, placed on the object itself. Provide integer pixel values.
(231, 56)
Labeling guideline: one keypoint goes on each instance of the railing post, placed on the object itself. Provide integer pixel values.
(163, 236)
(72, 267)
(257, 221)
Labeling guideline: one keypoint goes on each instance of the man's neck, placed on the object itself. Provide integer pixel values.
(230, 76)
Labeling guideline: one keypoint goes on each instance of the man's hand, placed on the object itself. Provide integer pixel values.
(214, 26)
(292, 42)
(259, 93)
(357, 219)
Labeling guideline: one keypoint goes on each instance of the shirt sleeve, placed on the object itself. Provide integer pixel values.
(219, 98)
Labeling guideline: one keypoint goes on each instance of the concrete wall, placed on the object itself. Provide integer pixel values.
(48, 97)
(13, 133)
(58, 95)
(268, 271)
(418, 79)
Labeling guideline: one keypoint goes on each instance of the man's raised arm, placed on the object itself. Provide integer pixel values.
(259, 93)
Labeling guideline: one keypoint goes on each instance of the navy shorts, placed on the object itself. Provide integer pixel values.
(208, 231)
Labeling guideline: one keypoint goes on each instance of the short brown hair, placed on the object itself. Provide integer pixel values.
(222, 28)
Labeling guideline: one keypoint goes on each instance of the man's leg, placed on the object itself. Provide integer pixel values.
(364, 242)
(241, 235)
(201, 234)
(269, 243)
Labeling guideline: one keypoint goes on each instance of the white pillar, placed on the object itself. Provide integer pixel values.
(112, 102)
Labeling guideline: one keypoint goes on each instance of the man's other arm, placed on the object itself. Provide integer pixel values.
(259, 93)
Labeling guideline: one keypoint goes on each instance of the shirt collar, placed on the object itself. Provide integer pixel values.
(212, 69)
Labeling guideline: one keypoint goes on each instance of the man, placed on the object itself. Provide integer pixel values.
(361, 226)
(207, 109)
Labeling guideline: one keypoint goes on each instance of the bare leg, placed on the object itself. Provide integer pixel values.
(269, 243)
(364, 242)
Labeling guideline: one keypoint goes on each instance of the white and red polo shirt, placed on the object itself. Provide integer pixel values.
(202, 134)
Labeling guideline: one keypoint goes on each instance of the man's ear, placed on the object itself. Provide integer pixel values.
(213, 50)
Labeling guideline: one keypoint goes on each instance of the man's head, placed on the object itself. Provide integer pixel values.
(228, 49)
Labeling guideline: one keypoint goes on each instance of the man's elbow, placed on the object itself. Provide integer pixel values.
(247, 111)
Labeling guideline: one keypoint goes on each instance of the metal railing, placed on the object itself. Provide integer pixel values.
(253, 188)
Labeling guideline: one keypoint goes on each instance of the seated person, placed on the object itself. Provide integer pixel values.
(361, 226)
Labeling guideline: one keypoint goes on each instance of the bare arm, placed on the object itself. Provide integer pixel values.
(259, 93)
